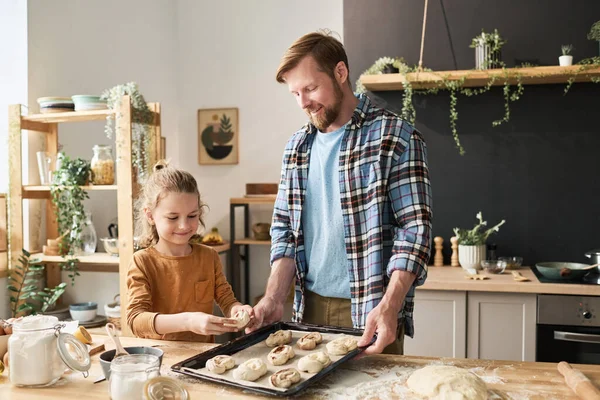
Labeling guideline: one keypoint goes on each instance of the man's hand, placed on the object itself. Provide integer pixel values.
(266, 312)
(382, 320)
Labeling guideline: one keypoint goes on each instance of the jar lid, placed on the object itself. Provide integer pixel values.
(74, 353)
(162, 387)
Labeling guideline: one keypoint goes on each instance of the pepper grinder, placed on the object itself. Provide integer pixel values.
(438, 259)
(454, 258)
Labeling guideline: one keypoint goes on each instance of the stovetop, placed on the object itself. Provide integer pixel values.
(591, 278)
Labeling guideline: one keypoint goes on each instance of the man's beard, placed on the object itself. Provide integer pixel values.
(330, 114)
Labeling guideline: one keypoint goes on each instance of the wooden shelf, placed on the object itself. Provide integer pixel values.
(253, 200)
(253, 241)
(222, 247)
(480, 78)
(43, 192)
(69, 116)
(96, 258)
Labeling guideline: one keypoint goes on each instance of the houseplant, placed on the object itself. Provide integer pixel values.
(67, 198)
(594, 33)
(141, 124)
(471, 242)
(383, 65)
(566, 59)
(23, 287)
(488, 50)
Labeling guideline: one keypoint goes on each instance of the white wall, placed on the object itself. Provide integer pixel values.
(185, 54)
(13, 89)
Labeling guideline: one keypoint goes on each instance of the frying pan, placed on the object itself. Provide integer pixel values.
(563, 270)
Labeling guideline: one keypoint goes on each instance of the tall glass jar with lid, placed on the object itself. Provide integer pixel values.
(103, 165)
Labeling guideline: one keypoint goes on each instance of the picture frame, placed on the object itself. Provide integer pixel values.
(218, 136)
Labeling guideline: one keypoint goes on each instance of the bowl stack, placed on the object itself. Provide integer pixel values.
(55, 104)
(88, 102)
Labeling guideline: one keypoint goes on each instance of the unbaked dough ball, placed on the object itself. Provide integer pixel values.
(285, 378)
(281, 354)
(314, 362)
(341, 346)
(250, 370)
(220, 364)
(437, 382)
(309, 341)
(241, 319)
(278, 338)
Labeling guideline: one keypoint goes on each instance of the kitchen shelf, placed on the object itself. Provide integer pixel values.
(253, 241)
(69, 116)
(36, 192)
(480, 78)
(253, 200)
(221, 248)
(96, 258)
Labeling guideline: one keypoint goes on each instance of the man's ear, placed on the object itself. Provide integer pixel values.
(341, 72)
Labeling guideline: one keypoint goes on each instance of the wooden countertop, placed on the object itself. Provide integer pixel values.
(453, 278)
(375, 377)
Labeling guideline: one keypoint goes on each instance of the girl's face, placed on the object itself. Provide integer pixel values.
(176, 220)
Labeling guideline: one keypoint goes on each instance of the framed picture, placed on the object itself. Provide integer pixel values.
(218, 132)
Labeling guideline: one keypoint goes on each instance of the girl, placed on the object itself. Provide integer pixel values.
(173, 284)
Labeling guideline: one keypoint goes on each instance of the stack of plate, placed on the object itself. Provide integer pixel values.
(55, 104)
(87, 102)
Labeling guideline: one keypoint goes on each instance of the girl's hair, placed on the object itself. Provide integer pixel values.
(164, 180)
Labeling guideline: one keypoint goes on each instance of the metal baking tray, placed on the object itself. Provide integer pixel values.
(192, 365)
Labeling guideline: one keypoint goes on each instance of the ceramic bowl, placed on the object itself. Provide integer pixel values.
(83, 312)
(107, 356)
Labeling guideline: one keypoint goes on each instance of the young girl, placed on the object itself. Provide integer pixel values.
(173, 284)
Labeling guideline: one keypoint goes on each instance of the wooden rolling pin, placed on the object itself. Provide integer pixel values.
(577, 381)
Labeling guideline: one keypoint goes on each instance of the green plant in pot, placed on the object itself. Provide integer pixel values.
(24, 282)
(488, 50)
(594, 33)
(471, 242)
(68, 197)
(141, 117)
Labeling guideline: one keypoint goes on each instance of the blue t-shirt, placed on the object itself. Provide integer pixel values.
(322, 222)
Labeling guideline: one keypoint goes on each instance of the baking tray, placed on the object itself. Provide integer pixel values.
(195, 366)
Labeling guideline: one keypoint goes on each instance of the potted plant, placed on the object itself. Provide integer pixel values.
(383, 65)
(566, 59)
(471, 243)
(23, 285)
(594, 33)
(141, 124)
(487, 50)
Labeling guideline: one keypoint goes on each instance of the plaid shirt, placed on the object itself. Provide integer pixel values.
(386, 207)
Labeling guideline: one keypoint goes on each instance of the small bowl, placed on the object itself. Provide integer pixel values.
(107, 356)
(83, 312)
(111, 245)
(512, 262)
(493, 266)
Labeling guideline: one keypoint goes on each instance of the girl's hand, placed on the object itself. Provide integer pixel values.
(207, 324)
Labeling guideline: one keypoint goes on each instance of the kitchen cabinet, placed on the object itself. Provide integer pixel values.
(501, 326)
(440, 324)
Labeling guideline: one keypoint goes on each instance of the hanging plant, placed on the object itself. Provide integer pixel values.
(67, 198)
(141, 124)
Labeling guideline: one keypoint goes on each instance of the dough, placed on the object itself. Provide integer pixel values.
(341, 346)
(241, 317)
(314, 362)
(447, 382)
(250, 370)
(309, 341)
(285, 378)
(220, 364)
(281, 354)
(278, 338)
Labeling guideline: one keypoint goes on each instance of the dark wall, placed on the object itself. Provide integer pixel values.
(540, 170)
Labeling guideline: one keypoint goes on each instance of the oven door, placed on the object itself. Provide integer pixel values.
(574, 344)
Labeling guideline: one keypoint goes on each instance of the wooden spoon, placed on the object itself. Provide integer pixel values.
(112, 332)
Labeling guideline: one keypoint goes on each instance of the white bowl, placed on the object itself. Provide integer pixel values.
(83, 312)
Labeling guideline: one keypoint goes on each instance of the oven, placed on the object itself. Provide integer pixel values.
(568, 329)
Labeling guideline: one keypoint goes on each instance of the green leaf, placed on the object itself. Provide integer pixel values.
(13, 299)
(24, 307)
(12, 288)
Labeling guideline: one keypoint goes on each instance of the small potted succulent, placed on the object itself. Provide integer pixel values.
(566, 59)
(488, 50)
(471, 243)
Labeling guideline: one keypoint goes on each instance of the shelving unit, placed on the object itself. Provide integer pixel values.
(48, 124)
(235, 256)
(480, 78)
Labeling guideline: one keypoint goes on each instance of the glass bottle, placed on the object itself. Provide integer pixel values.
(87, 237)
(103, 165)
(491, 252)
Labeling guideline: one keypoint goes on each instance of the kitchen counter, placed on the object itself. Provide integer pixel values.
(453, 278)
(375, 377)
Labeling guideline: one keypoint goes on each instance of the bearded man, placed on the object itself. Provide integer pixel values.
(352, 219)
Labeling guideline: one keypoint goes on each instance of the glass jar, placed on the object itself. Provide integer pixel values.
(87, 237)
(162, 387)
(129, 374)
(38, 352)
(103, 165)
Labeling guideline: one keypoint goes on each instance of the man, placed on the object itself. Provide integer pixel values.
(352, 220)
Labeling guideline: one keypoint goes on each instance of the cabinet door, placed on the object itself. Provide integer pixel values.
(440, 324)
(501, 326)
